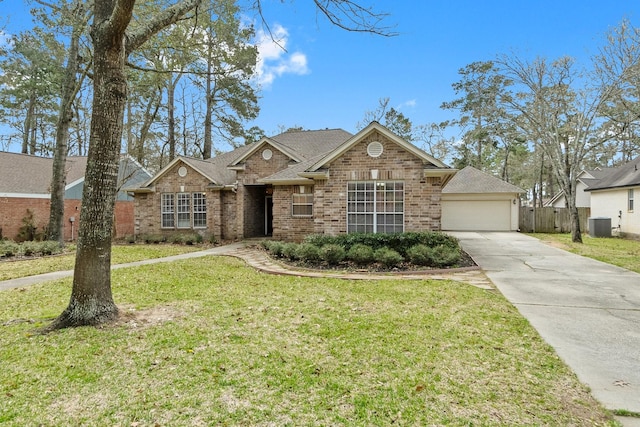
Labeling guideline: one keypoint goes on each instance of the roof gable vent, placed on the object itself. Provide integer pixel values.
(375, 149)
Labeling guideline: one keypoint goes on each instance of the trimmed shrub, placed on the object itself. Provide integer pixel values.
(388, 257)
(176, 239)
(420, 254)
(154, 238)
(30, 248)
(308, 252)
(360, 254)
(332, 254)
(9, 248)
(445, 256)
(320, 240)
(275, 249)
(290, 251)
(50, 247)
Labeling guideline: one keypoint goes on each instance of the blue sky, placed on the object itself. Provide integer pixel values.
(329, 78)
(347, 73)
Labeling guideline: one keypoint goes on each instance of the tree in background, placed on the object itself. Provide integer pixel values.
(30, 75)
(489, 136)
(225, 76)
(560, 109)
(389, 117)
(76, 16)
(617, 62)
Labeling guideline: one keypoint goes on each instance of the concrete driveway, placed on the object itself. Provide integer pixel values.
(587, 310)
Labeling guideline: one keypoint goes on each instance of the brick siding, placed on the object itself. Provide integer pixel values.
(422, 208)
(13, 210)
(147, 206)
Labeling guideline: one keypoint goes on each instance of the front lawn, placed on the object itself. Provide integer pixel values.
(120, 254)
(210, 341)
(612, 250)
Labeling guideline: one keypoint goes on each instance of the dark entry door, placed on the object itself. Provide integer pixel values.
(268, 215)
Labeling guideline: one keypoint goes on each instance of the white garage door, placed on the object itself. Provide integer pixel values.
(476, 215)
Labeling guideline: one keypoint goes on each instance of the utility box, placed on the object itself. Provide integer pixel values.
(600, 227)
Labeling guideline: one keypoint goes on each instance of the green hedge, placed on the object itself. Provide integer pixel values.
(399, 242)
(432, 248)
(9, 248)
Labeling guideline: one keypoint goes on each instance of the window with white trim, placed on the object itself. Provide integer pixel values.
(199, 210)
(184, 210)
(168, 210)
(375, 207)
(630, 200)
(302, 201)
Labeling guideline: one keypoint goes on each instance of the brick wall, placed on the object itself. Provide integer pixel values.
(13, 210)
(285, 225)
(422, 209)
(147, 210)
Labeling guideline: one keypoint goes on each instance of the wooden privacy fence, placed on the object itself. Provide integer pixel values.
(551, 220)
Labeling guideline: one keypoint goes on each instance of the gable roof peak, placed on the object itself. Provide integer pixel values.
(384, 131)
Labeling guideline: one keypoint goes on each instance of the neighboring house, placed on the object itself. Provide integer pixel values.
(474, 200)
(617, 195)
(25, 185)
(298, 183)
(583, 197)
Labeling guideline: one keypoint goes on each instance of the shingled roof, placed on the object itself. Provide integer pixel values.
(31, 175)
(300, 145)
(309, 144)
(471, 180)
(627, 175)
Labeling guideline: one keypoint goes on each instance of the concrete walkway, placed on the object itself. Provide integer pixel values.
(587, 310)
(31, 280)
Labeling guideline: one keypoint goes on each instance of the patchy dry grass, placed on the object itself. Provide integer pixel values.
(212, 342)
(121, 254)
(612, 250)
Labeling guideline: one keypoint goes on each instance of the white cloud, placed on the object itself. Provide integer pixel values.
(410, 104)
(273, 59)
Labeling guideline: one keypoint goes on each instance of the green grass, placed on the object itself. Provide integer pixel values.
(212, 342)
(612, 250)
(121, 254)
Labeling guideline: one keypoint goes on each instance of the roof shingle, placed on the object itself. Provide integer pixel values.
(471, 180)
(27, 174)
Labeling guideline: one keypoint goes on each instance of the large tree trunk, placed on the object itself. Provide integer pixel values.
(91, 299)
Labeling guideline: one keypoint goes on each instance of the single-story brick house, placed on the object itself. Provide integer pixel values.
(298, 183)
(614, 196)
(25, 188)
